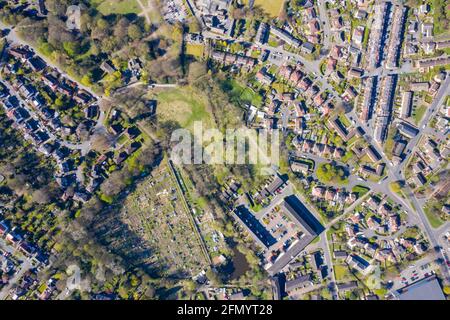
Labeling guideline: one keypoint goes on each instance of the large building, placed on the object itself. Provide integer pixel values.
(396, 37)
(306, 222)
(368, 102)
(254, 227)
(304, 227)
(286, 37)
(425, 289)
(407, 130)
(262, 34)
(406, 106)
(378, 34)
(385, 108)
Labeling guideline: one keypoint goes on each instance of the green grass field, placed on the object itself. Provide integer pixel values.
(360, 190)
(345, 120)
(341, 272)
(433, 217)
(271, 7)
(183, 105)
(418, 113)
(107, 7)
(434, 220)
(195, 50)
(241, 95)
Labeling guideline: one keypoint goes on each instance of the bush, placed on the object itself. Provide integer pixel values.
(447, 290)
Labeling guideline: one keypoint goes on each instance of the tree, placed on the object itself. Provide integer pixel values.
(101, 141)
(41, 196)
(114, 184)
(213, 277)
(45, 48)
(134, 32)
(447, 290)
(87, 79)
(121, 29)
(82, 131)
(59, 103)
(150, 292)
(103, 24)
(327, 173)
(189, 286)
(72, 48)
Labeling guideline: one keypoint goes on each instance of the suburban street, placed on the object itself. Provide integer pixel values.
(325, 24)
(24, 267)
(379, 197)
(394, 173)
(84, 146)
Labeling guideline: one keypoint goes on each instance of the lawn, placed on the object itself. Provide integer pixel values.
(122, 139)
(418, 113)
(341, 272)
(360, 190)
(240, 94)
(183, 105)
(441, 16)
(316, 240)
(280, 87)
(390, 141)
(195, 50)
(433, 218)
(271, 7)
(345, 120)
(107, 7)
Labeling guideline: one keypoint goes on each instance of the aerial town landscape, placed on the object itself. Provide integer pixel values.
(93, 205)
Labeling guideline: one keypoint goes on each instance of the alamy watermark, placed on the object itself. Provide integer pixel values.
(240, 146)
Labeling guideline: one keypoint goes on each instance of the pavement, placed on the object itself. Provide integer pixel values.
(287, 191)
(323, 15)
(416, 271)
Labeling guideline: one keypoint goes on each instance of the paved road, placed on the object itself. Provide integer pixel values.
(310, 66)
(285, 115)
(421, 267)
(393, 172)
(24, 267)
(323, 244)
(397, 173)
(432, 110)
(329, 263)
(382, 71)
(325, 24)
